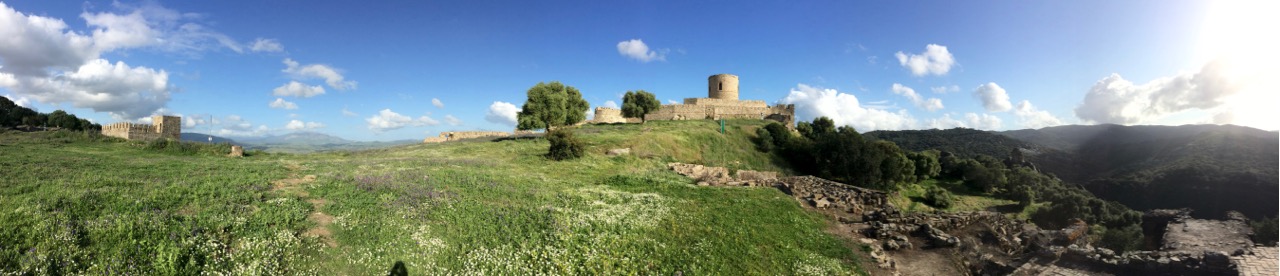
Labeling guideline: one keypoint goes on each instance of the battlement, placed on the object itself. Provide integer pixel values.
(162, 127)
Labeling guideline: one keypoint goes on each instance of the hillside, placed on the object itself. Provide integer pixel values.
(204, 138)
(478, 207)
(302, 142)
(1209, 168)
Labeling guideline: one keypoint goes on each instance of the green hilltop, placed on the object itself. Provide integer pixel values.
(76, 202)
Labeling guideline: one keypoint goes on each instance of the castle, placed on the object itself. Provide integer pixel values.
(166, 127)
(721, 103)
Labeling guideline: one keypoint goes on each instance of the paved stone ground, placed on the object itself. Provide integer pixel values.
(1264, 261)
(1038, 268)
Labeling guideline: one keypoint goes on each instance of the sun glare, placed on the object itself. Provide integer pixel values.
(1240, 34)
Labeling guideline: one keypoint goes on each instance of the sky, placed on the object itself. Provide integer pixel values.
(392, 70)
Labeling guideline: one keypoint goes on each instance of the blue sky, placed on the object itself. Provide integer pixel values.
(407, 70)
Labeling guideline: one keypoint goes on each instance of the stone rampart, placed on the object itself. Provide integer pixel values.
(169, 127)
(724, 102)
(605, 115)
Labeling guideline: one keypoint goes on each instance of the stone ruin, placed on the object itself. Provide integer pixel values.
(449, 136)
(990, 243)
(722, 103)
(605, 115)
(161, 127)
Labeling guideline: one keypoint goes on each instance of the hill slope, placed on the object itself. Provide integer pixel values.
(1208, 168)
(478, 207)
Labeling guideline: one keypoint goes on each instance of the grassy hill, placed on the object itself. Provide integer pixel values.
(77, 203)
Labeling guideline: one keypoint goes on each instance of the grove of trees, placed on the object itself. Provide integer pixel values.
(13, 115)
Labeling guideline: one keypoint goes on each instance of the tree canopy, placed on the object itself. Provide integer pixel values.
(638, 103)
(550, 105)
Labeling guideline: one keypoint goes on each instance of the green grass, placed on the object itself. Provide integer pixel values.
(105, 206)
(910, 197)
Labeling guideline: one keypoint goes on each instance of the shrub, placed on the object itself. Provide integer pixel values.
(764, 140)
(1122, 239)
(1264, 231)
(563, 145)
(938, 197)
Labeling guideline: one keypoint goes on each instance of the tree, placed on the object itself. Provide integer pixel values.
(59, 118)
(550, 105)
(637, 104)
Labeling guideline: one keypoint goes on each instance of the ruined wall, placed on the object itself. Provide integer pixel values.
(458, 135)
(678, 112)
(605, 115)
(723, 102)
(131, 131)
(169, 127)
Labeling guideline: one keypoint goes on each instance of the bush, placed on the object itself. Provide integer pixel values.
(938, 197)
(764, 140)
(1123, 239)
(563, 145)
(1264, 231)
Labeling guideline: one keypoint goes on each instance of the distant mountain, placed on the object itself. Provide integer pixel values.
(204, 138)
(298, 138)
(1209, 168)
(306, 141)
(963, 142)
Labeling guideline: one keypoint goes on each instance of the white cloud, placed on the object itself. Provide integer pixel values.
(637, 50)
(318, 71)
(1116, 100)
(610, 104)
(389, 120)
(844, 109)
(930, 104)
(280, 103)
(1031, 117)
(234, 125)
(299, 125)
(266, 45)
(970, 120)
(348, 113)
(502, 113)
(945, 89)
(151, 25)
(993, 98)
(194, 120)
(33, 43)
(124, 91)
(19, 101)
(298, 89)
(672, 102)
(453, 121)
(935, 60)
(436, 102)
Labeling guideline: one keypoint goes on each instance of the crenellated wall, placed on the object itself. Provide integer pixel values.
(605, 115)
(169, 127)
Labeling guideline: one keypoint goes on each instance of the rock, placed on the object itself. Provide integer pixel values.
(236, 151)
(821, 203)
(617, 152)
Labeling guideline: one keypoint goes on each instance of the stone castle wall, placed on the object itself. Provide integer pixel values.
(169, 127)
(605, 115)
(461, 135)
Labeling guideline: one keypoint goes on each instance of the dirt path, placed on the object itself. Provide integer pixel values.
(294, 186)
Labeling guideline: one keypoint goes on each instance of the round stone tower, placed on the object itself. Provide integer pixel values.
(722, 86)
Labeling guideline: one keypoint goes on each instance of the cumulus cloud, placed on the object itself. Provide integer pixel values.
(43, 60)
(993, 98)
(502, 113)
(637, 50)
(1116, 100)
(123, 91)
(280, 103)
(669, 101)
(389, 120)
(1031, 117)
(436, 102)
(945, 89)
(930, 104)
(234, 125)
(453, 121)
(935, 60)
(610, 104)
(298, 89)
(969, 120)
(330, 75)
(19, 101)
(844, 109)
(299, 125)
(266, 45)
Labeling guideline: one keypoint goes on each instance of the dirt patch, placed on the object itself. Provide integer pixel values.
(294, 186)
